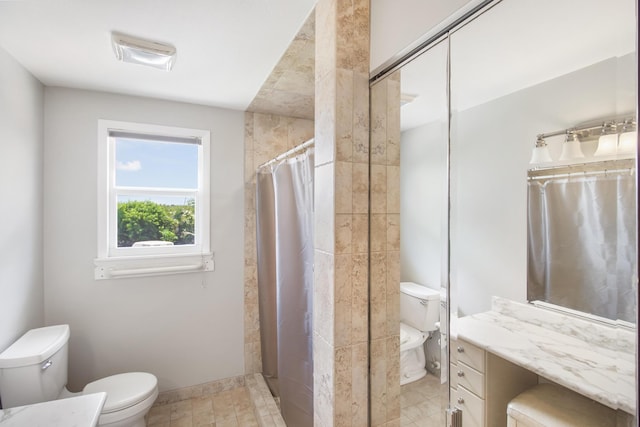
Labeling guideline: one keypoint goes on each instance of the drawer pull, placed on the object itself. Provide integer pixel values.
(460, 349)
(460, 400)
(460, 374)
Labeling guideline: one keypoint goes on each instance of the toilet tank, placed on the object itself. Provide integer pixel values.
(34, 368)
(419, 306)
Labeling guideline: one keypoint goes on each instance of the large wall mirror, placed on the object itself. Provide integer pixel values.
(475, 224)
(423, 237)
(520, 70)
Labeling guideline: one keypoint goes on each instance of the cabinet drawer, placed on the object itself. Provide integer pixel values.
(470, 355)
(470, 379)
(472, 407)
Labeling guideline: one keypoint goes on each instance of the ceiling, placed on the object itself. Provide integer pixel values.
(290, 89)
(515, 45)
(226, 49)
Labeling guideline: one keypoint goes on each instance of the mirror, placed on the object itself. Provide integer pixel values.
(540, 72)
(581, 236)
(423, 234)
(473, 106)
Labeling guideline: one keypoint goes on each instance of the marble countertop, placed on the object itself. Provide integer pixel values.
(80, 411)
(591, 359)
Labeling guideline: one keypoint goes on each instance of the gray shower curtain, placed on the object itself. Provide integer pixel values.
(582, 243)
(284, 209)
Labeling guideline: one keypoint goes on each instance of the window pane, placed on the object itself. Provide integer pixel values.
(141, 163)
(155, 221)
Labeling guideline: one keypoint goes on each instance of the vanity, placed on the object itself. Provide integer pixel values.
(80, 411)
(498, 354)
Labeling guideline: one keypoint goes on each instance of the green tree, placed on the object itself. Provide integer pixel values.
(144, 220)
(185, 217)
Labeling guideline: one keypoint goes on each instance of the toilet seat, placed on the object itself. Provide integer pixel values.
(124, 390)
(410, 337)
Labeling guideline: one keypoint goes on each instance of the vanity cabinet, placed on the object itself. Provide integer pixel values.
(482, 384)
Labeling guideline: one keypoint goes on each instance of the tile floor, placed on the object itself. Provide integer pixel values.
(232, 408)
(423, 403)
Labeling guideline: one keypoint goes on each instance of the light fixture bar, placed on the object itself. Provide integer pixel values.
(592, 130)
(616, 138)
(134, 50)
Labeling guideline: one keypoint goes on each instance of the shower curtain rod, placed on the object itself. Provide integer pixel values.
(288, 153)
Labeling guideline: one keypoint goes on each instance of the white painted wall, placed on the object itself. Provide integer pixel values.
(398, 25)
(186, 329)
(21, 122)
(423, 201)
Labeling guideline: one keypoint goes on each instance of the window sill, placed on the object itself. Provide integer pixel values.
(144, 266)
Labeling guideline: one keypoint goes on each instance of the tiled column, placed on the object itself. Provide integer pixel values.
(265, 136)
(385, 252)
(340, 336)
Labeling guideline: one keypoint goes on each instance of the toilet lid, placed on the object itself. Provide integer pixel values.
(123, 390)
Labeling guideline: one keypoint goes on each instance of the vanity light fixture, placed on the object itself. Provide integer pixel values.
(616, 139)
(608, 141)
(628, 142)
(540, 153)
(571, 147)
(144, 52)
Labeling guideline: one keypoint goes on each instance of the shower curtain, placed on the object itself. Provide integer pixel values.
(582, 243)
(284, 216)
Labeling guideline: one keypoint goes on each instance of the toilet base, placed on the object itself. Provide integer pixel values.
(129, 417)
(415, 377)
(412, 365)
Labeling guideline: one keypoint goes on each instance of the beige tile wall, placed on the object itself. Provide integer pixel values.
(289, 90)
(385, 251)
(340, 340)
(342, 223)
(266, 136)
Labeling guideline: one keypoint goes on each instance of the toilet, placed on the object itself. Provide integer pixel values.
(34, 369)
(419, 315)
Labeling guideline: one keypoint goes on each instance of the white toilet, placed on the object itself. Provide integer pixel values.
(34, 369)
(419, 313)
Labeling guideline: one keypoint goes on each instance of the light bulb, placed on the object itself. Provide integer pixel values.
(628, 143)
(540, 153)
(607, 145)
(571, 148)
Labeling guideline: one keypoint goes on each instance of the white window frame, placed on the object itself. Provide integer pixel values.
(115, 262)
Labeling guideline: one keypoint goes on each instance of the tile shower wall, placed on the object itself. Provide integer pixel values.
(340, 337)
(385, 251)
(265, 137)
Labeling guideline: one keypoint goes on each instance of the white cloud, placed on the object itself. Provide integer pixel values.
(132, 166)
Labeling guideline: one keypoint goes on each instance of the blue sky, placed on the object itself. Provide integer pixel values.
(156, 164)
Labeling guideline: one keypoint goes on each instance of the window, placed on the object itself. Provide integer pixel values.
(153, 200)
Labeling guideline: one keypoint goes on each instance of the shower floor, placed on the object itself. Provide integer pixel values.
(248, 406)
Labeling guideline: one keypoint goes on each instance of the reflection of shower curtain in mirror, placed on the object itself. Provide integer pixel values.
(582, 252)
(284, 209)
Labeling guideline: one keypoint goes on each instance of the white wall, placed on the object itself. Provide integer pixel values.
(397, 25)
(186, 329)
(21, 121)
(423, 202)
